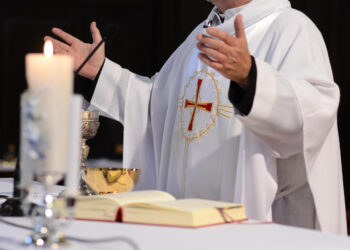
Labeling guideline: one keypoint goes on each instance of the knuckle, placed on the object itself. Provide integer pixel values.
(227, 37)
(233, 54)
(204, 40)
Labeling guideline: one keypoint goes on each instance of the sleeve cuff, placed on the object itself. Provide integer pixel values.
(89, 92)
(243, 99)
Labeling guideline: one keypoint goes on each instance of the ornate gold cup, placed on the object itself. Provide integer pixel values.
(89, 126)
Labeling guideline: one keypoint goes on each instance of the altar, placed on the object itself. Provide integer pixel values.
(106, 235)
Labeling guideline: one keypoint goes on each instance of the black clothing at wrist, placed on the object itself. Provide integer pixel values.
(89, 91)
(243, 99)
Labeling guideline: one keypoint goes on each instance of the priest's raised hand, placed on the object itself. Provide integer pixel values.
(79, 50)
(226, 53)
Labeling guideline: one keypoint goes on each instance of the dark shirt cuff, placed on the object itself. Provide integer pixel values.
(89, 92)
(243, 99)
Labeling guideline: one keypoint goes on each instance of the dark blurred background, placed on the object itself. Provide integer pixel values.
(148, 32)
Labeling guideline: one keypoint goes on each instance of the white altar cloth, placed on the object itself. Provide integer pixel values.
(229, 236)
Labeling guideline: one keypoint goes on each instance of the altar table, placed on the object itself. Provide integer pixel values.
(228, 236)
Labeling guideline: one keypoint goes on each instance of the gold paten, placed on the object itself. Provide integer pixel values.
(111, 180)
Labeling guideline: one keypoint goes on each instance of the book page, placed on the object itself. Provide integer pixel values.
(187, 205)
(106, 206)
(186, 213)
(138, 197)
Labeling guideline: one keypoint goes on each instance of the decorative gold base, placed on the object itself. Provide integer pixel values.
(110, 180)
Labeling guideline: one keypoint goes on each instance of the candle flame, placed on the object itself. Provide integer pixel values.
(48, 48)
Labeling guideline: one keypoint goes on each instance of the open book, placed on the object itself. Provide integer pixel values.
(155, 207)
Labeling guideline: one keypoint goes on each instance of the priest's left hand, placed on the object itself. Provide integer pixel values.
(226, 53)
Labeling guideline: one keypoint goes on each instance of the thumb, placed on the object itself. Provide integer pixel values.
(239, 28)
(95, 33)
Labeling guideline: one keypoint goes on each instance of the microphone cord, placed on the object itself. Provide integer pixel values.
(81, 240)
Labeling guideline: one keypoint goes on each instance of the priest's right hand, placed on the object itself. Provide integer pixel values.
(80, 50)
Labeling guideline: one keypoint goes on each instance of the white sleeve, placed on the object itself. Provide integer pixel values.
(296, 100)
(110, 92)
(125, 97)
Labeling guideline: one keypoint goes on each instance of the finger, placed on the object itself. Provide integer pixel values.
(211, 53)
(95, 33)
(213, 43)
(221, 35)
(68, 38)
(58, 46)
(199, 37)
(215, 65)
(239, 27)
(60, 50)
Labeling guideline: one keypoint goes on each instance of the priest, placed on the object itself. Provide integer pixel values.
(244, 111)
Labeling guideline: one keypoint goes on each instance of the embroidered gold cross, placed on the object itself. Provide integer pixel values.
(205, 106)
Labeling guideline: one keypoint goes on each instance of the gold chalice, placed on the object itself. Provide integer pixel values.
(89, 126)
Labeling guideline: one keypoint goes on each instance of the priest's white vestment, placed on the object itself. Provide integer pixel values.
(183, 132)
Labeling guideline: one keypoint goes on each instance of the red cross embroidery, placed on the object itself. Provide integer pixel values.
(205, 106)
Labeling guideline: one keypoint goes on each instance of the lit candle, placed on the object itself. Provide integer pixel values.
(51, 77)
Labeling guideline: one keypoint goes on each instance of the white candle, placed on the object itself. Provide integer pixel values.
(74, 146)
(51, 76)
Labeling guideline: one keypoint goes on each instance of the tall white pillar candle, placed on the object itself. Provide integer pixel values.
(51, 77)
(74, 146)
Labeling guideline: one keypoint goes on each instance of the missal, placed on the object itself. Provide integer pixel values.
(156, 208)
